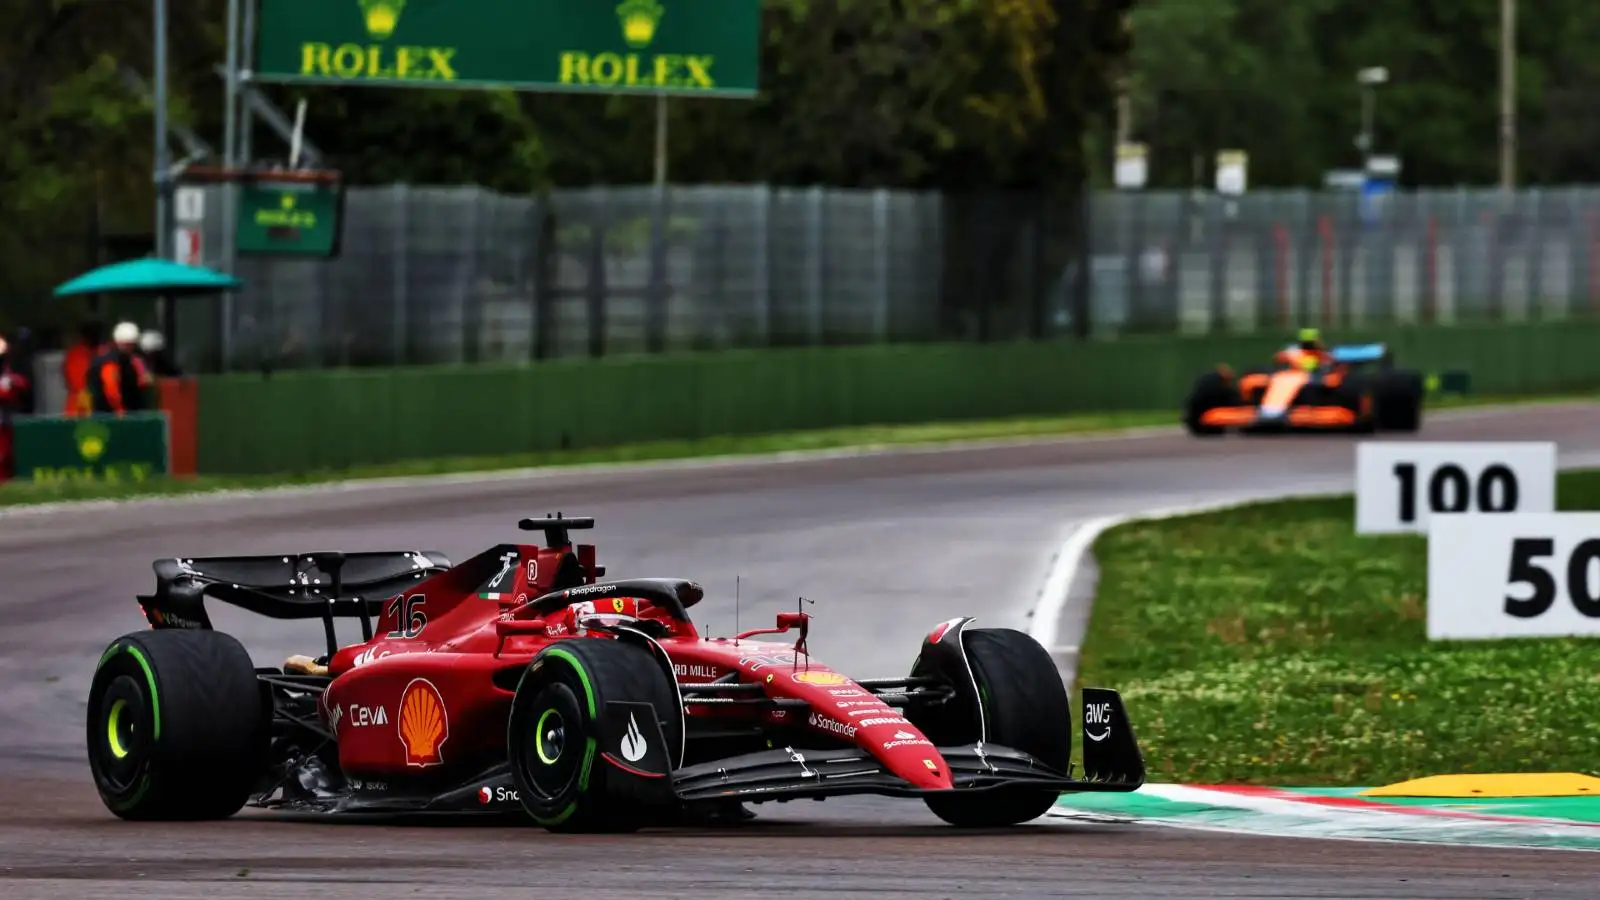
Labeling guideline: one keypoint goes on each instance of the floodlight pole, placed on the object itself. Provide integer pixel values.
(247, 63)
(1508, 94)
(230, 155)
(163, 160)
(661, 141)
(1369, 79)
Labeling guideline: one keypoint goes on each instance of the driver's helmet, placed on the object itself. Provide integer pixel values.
(610, 611)
(1311, 340)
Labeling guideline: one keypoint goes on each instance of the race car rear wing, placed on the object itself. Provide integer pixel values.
(323, 585)
(1359, 353)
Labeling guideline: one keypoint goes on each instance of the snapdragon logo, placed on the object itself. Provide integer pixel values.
(488, 795)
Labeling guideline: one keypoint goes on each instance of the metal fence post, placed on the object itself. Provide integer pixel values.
(656, 305)
(880, 234)
(763, 263)
(400, 224)
(816, 261)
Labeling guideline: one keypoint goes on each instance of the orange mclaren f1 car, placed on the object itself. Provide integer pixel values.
(1310, 389)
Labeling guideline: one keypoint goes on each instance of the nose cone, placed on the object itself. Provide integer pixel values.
(907, 752)
(929, 772)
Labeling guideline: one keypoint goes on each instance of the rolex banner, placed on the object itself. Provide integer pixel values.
(680, 47)
(105, 449)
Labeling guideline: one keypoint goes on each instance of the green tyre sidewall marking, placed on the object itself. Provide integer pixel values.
(155, 715)
(112, 721)
(589, 741)
(150, 680)
(538, 737)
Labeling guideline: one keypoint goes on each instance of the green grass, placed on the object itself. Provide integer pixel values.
(19, 492)
(1268, 644)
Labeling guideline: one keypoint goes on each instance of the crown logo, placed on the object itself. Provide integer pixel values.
(286, 201)
(381, 16)
(91, 438)
(639, 20)
(423, 726)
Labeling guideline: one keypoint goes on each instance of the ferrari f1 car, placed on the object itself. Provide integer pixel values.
(517, 683)
(1354, 389)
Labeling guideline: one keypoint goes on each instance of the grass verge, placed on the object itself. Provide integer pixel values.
(18, 493)
(1268, 644)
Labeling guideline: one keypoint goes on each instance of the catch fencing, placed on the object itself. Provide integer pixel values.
(465, 275)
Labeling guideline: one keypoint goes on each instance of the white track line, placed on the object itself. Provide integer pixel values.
(1045, 618)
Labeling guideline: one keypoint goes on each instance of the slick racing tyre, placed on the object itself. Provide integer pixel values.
(555, 739)
(1210, 391)
(177, 726)
(1397, 399)
(1024, 706)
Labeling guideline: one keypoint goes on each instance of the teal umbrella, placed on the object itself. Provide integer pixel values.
(149, 276)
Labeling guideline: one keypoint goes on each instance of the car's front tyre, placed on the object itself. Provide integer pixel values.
(556, 736)
(1023, 705)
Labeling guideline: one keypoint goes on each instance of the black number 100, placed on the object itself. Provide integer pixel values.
(1450, 490)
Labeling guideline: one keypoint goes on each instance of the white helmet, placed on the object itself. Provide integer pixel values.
(125, 333)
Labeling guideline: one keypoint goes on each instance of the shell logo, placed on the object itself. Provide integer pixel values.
(424, 726)
(820, 678)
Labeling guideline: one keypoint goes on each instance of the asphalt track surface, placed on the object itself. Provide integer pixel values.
(887, 545)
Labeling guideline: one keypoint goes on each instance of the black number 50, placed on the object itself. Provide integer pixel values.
(1525, 569)
(1450, 490)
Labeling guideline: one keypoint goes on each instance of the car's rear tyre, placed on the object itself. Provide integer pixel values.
(1354, 393)
(1025, 707)
(177, 727)
(554, 735)
(1210, 391)
(1397, 398)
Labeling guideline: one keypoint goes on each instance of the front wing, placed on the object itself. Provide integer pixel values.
(1295, 418)
(1112, 761)
(790, 774)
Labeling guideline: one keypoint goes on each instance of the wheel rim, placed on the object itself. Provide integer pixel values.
(123, 733)
(549, 737)
(551, 759)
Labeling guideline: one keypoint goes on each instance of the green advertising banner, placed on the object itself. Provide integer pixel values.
(681, 47)
(288, 218)
(111, 449)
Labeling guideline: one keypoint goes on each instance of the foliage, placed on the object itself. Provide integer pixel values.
(952, 93)
(1269, 644)
(1279, 80)
(955, 94)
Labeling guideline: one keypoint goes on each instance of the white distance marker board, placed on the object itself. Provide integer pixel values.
(1401, 485)
(1523, 575)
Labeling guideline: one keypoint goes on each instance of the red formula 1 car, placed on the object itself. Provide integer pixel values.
(516, 683)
